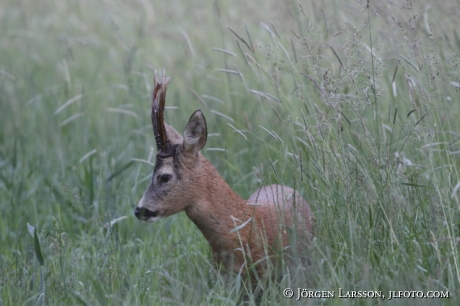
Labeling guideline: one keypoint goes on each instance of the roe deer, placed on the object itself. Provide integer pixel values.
(237, 230)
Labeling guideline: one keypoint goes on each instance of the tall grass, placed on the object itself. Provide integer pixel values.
(352, 103)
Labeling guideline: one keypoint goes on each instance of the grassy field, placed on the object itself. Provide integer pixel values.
(356, 105)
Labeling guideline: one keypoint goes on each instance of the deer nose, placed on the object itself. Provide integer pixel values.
(143, 213)
(138, 212)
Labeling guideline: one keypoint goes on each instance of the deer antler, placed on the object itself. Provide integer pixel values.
(158, 107)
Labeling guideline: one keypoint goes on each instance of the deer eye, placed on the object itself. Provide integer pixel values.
(164, 178)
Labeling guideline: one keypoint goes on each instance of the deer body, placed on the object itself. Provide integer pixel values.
(236, 229)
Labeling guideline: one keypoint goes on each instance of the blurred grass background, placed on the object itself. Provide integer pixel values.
(355, 106)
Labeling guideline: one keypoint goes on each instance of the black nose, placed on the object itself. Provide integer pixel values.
(138, 212)
(144, 213)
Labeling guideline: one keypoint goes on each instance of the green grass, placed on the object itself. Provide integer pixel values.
(356, 107)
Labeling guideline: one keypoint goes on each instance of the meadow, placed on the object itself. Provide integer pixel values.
(353, 103)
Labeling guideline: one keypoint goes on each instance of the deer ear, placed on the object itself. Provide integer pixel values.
(196, 133)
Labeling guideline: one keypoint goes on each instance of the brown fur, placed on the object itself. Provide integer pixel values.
(218, 210)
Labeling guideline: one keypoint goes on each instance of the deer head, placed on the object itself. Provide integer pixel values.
(177, 157)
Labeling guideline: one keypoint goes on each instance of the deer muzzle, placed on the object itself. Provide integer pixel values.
(145, 214)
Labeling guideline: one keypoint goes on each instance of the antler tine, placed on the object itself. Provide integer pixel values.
(158, 107)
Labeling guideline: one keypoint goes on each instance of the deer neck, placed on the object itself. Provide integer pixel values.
(216, 209)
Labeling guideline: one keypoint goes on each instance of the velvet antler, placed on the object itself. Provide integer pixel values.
(158, 107)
